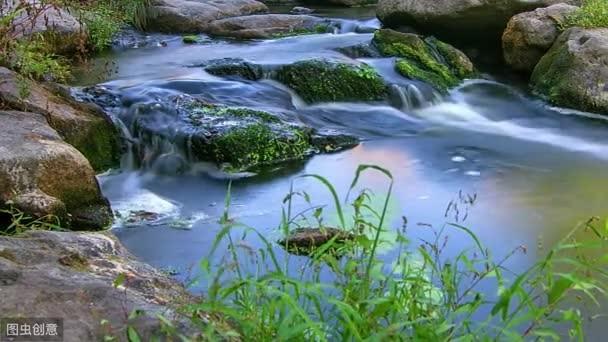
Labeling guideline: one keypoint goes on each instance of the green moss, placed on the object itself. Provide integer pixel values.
(197, 111)
(256, 145)
(592, 14)
(190, 39)
(99, 143)
(75, 261)
(432, 61)
(322, 81)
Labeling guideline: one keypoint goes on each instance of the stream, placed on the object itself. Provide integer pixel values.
(536, 171)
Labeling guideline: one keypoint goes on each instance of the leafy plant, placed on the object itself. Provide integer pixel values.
(421, 295)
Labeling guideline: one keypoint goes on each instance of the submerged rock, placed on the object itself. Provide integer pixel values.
(236, 139)
(574, 72)
(326, 81)
(83, 126)
(268, 26)
(301, 10)
(529, 35)
(42, 175)
(235, 67)
(470, 20)
(70, 276)
(363, 50)
(428, 60)
(194, 16)
(304, 241)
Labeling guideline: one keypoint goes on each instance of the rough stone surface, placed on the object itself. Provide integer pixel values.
(70, 276)
(194, 16)
(83, 126)
(234, 67)
(529, 35)
(467, 20)
(268, 26)
(43, 175)
(61, 28)
(574, 73)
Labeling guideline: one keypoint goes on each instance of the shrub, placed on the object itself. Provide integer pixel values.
(592, 14)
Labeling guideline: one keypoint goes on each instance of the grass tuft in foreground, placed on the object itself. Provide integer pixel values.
(419, 294)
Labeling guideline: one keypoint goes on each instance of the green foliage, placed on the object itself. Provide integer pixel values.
(423, 295)
(105, 18)
(592, 14)
(19, 222)
(323, 81)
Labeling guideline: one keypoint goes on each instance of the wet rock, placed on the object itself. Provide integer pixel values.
(139, 217)
(428, 60)
(301, 10)
(529, 35)
(268, 26)
(304, 241)
(235, 67)
(130, 38)
(190, 39)
(467, 20)
(61, 30)
(42, 175)
(235, 139)
(84, 126)
(70, 276)
(327, 81)
(362, 50)
(194, 16)
(574, 72)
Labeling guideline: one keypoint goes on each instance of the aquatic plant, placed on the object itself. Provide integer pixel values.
(422, 295)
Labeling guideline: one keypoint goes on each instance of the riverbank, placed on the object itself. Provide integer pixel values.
(191, 113)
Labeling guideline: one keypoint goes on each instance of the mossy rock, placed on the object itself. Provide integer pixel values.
(573, 73)
(325, 81)
(235, 139)
(428, 60)
(305, 241)
(190, 39)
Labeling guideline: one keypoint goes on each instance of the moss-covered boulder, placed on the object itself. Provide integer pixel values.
(81, 125)
(325, 81)
(235, 139)
(428, 60)
(41, 175)
(574, 73)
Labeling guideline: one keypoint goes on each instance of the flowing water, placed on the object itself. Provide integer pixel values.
(536, 171)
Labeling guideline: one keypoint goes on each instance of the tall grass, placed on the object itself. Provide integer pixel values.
(423, 294)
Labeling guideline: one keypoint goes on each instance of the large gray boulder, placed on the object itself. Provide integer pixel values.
(194, 16)
(60, 28)
(268, 26)
(83, 126)
(529, 35)
(70, 276)
(42, 175)
(574, 73)
(469, 20)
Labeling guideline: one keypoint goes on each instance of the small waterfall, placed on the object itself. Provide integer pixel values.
(409, 97)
